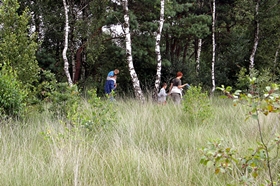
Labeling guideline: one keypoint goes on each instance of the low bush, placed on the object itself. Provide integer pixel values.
(12, 94)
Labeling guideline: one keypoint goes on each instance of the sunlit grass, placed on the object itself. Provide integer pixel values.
(149, 144)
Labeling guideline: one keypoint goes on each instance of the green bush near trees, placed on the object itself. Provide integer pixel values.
(197, 105)
(12, 94)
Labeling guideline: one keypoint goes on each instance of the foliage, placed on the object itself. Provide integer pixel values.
(42, 89)
(67, 103)
(243, 80)
(62, 99)
(17, 46)
(98, 115)
(256, 84)
(265, 102)
(12, 94)
(243, 169)
(197, 104)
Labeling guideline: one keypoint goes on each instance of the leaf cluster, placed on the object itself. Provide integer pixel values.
(197, 105)
(12, 94)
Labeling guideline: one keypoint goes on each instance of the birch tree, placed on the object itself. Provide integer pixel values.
(136, 84)
(197, 68)
(256, 38)
(214, 45)
(157, 50)
(66, 64)
(199, 44)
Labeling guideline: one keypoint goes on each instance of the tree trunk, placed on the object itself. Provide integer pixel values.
(275, 61)
(136, 84)
(157, 50)
(78, 64)
(66, 64)
(198, 57)
(256, 39)
(214, 46)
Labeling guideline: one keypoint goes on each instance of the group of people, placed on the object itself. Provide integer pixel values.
(175, 89)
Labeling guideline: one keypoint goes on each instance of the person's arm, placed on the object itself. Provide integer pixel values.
(181, 86)
(171, 86)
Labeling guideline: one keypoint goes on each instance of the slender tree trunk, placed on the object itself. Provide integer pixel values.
(256, 39)
(136, 84)
(72, 41)
(275, 61)
(78, 64)
(66, 64)
(214, 46)
(157, 50)
(198, 57)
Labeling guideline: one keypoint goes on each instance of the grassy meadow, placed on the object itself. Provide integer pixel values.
(148, 144)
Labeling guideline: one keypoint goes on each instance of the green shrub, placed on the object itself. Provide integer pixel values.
(12, 94)
(98, 114)
(62, 99)
(197, 104)
(92, 113)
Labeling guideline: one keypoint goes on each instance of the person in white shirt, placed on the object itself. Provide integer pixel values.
(176, 88)
(162, 94)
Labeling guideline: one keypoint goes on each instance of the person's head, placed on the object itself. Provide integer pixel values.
(164, 85)
(179, 74)
(116, 71)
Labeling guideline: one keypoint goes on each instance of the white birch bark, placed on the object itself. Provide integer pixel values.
(214, 45)
(256, 38)
(136, 84)
(157, 51)
(197, 68)
(66, 64)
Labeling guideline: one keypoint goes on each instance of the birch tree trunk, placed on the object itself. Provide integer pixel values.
(66, 64)
(157, 50)
(197, 68)
(214, 45)
(256, 39)
(136, 84)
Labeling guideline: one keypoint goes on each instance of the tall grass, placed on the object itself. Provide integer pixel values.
(149, 144)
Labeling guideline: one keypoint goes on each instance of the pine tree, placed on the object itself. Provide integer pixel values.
(17, 47)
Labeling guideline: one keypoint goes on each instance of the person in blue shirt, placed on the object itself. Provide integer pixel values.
(112, 73)
(111, 84)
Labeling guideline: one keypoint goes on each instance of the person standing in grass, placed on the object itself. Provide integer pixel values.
(110, 86)
(162, 94)
(176, 88)
(111, 83)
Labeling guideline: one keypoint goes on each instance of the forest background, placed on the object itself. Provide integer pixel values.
(96, 46)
